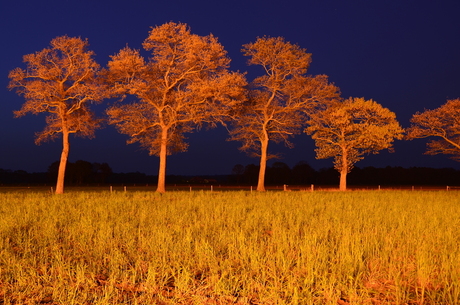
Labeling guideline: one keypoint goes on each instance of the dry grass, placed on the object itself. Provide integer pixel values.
(230, 248)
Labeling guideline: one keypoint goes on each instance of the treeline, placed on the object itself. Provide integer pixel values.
(84, 173)
(303, 174)
(185, 84)
(79, 173)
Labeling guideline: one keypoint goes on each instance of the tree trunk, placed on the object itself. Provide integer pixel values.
(343, 179)
(63, 162)
(344, 172)
(263, 165)
(161, 186)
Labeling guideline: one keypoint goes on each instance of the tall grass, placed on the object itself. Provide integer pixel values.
(230, 248)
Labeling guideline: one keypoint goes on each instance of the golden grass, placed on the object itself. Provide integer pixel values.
(360, 247)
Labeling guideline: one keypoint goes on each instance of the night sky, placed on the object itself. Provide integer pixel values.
(403, 54)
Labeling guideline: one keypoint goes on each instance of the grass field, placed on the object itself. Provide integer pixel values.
(202, 247)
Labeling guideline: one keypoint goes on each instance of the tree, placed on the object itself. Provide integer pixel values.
(279, 173)
(349, 130)
(442, 123)
(61, 80)
(238, 171)
(185, 84)
(250, 173)
(303, 173)
(101, 171)
(279, 99)
(83, 171)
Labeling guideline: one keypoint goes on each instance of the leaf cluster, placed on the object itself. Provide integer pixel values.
(183, 85)
(443, 123)
(353, 128)
(280, 100)
(61, 80)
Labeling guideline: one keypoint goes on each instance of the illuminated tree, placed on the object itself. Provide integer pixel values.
(442, 123)
(61, 80)
(184, 84)
(279, 100)
(347, 131)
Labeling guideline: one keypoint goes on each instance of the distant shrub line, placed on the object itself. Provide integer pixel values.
(83, 173)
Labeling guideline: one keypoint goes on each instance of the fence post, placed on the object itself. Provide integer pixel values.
(312, 187)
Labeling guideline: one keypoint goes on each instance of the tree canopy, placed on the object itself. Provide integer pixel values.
(183, 85)
(61, 80)
(278, 100)
(442, 123)
(351, 129)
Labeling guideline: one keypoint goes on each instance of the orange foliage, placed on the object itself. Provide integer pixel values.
(443, 123)
(280, 99)
(349, 130)
(61, 80)
(184, 84)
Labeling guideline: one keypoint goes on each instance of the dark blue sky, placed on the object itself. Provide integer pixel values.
(403, 54)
